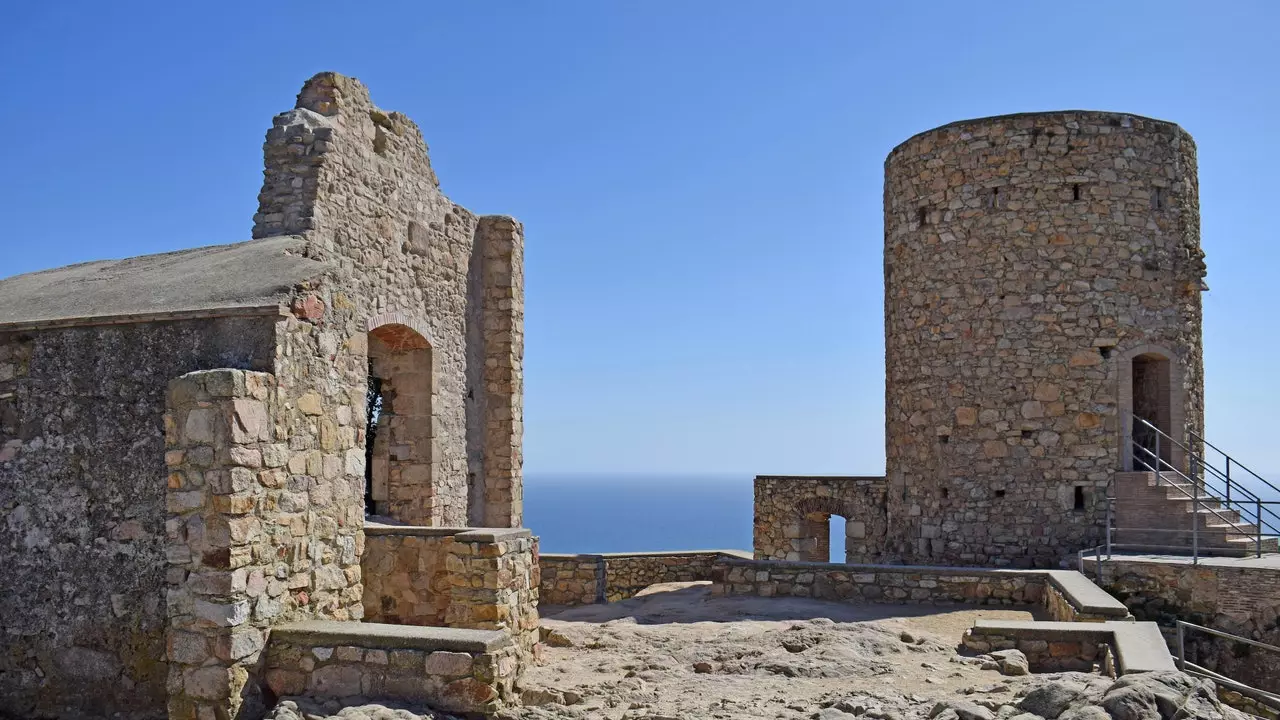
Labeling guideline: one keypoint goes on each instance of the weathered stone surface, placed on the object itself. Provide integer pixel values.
(1028, 259)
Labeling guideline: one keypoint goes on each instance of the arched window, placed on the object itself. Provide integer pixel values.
(400, 467)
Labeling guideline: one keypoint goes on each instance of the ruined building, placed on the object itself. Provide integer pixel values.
(1042, 286)
(186, 459)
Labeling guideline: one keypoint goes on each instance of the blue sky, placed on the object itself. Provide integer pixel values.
(700, 182)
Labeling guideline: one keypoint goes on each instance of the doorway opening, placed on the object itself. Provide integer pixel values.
(399, 432)
(1151, 403)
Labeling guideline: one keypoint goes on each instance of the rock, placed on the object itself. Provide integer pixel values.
(1050, 700)
(907, 637)
(1084, 712)
(1012, 662)
(555, 638)
(702, 668)
(534, 697)
(832, 714)
(963, 709)
(1132, 702)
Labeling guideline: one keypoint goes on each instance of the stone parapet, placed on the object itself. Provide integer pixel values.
(793, 514)
(476, 578)
(608, 577)
(1068, 595)
(457, 671)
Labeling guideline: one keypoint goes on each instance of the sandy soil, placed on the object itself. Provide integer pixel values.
(676, 652)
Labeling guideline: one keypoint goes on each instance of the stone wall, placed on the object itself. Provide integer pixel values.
(469, 672)
(609, 577)
(257, 535)
(82, 506)
(1066, 653)
(1067, 595)
(792, 517)
(357, 184)
(1029, 260)
(879, 583)
(477, 578)
(1242, 600)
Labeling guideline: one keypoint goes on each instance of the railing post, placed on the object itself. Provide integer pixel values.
(1228, 482)
(1182, 648)
(1195, 523)
(1258, 547)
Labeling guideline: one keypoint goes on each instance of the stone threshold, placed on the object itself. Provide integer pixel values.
(1139, 646)
(384, 636)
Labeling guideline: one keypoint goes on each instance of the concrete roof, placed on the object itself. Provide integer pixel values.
(242, 276)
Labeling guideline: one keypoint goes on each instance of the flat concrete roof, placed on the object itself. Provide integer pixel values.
(243, 276)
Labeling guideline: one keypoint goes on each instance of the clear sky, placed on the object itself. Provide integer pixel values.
(700, 182)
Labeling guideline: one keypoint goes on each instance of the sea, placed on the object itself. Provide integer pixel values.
(600, 513)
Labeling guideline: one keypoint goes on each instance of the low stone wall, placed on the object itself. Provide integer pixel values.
(1067, 653)
(793, 513)
(1240, 597)
(609, 577)
(458, 671)
(477, 578)
(1068, 595)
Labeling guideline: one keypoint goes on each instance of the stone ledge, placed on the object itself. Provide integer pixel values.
(1139, 646)
(388, 637)
(465, 534)
(1086, 597)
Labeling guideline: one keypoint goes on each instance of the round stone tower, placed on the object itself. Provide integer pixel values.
(1042, 283)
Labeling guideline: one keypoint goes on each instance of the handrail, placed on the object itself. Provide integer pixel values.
(1153, 460)
(1182, 625)
(1234, 461)
(1194, 498)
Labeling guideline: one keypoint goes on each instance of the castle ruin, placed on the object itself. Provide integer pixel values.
(186, 460)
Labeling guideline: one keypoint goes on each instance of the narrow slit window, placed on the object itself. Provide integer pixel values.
(1079, 498)
(1157, 199)
(999, 493)
(924, 216)
(993, 198)
(1075, 192)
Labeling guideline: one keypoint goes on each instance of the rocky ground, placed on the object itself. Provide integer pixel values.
(676, 653)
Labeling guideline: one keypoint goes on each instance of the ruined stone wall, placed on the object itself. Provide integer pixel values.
(83, 506)
(1028, 259)
(480, 579)
(610, 577)
(1240, 600)
(258, 534)
(356, 182)
(792, 517)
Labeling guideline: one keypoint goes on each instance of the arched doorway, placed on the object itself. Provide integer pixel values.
(1151, 404)
(400, 462)
(823, 519)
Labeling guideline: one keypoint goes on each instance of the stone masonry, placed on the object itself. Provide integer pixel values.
(183, 437)
(1040, 271)
(793, 514)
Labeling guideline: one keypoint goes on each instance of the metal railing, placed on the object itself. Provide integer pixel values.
(1266, 696)
(1209, 486)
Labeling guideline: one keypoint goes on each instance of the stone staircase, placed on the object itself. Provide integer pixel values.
(1155, 510)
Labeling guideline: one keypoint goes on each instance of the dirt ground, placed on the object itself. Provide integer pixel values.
(676, 652)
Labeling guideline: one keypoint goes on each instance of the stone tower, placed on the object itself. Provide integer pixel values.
(1042, 283)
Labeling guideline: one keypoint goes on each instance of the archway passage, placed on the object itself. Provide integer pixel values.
(824, 528)
(400, 458)
(1152, 403)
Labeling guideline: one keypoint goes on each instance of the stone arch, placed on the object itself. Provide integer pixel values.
(1151, 383)
(815, 526)
(401, 445)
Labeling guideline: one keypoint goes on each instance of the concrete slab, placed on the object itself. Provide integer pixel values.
(1139, 646)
